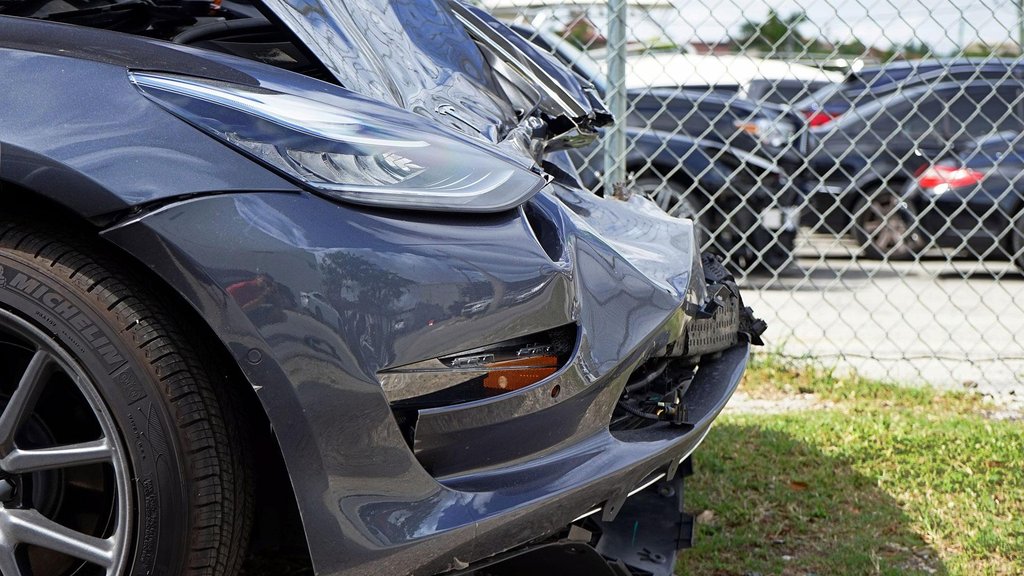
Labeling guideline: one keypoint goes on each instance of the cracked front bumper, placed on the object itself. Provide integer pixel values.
(392, 289)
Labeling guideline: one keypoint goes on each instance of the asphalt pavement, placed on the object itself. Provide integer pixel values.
(939, 321)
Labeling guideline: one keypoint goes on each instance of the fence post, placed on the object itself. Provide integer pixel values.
(615, 138)
(1020, 26)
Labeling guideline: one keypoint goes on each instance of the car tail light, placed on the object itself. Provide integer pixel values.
(818, 117)
(936, 177)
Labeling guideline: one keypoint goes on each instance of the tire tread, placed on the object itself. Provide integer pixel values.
(216, 463)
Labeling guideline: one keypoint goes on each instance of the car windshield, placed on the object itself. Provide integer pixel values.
(852, 88)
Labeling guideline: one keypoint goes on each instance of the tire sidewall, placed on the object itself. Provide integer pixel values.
(82, 326)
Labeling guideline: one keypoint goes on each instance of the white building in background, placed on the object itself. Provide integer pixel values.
(669, 70)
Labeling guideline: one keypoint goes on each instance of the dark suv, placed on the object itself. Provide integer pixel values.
(858, 164)
(875, 82)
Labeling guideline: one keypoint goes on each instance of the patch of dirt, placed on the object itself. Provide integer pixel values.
(741, 403)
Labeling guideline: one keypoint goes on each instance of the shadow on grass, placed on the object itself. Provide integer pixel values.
(774, 505)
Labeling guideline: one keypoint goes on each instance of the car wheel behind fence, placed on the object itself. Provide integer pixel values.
(676, 200)
(884, 228)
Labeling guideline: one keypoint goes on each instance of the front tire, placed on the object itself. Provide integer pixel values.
(118, 456)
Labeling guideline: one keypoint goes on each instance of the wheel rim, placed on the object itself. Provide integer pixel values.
(669, 199)
(64, 493)
(885, 228)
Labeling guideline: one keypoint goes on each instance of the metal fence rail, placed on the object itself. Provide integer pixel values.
(860, 164)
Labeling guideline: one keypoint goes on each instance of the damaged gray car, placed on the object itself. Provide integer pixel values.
(312, 281)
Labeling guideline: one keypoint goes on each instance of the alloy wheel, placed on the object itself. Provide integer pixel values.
(885, 229)
(676, 202)
(64, 495)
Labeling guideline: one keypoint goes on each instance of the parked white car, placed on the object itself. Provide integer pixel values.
(775, 81)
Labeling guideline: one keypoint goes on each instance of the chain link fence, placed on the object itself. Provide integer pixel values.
(858, 163)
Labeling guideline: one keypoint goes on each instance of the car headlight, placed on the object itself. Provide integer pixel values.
(352, 150)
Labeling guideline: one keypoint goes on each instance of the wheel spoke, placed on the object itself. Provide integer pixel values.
(24, 461)
(83, 515)
(24, 397)
(664, 199)
(10, 563)
(31, 527)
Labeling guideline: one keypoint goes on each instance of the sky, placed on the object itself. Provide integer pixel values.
(942, 24)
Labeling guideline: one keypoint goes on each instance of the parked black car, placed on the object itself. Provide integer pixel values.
(971, 202)
(499, 367)
(858, 165)
(874, 82)
(721, 161)
(781, 91)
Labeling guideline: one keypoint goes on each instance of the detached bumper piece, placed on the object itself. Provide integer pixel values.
(643, 540)
(713, 330)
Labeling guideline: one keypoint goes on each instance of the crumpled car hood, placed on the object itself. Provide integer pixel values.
(410, 53)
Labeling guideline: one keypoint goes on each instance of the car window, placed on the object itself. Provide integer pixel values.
(983, 109)
(786, 92)
(889, 108)
(873, 83)
(925, 113)
(905, 117)
(756, 90)
(831, 93)
(855, 95)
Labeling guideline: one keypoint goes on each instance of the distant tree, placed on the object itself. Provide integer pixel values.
(582, 33)
(853, 47)
(910, 51)
(917, 49)
(775, 33)
(984, 49)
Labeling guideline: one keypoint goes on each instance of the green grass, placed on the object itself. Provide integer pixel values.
(878, 479)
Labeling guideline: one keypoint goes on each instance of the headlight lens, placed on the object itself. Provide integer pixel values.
(364, 152)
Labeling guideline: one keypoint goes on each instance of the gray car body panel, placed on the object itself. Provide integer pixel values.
(211, 223)
(105, 149)
(368, 503)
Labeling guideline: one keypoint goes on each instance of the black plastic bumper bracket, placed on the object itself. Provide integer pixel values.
(649, 530)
